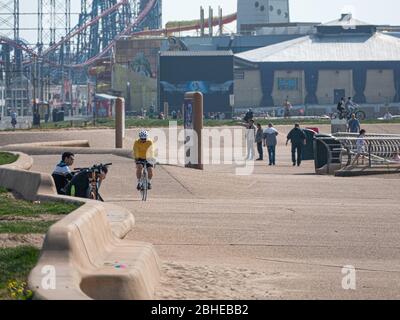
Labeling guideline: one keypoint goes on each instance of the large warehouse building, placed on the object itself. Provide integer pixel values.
(343, 58)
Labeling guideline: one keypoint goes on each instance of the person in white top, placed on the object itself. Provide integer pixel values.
(63, 167)
(396, 157)
(62, 173)
(251, 140)
(361, 147)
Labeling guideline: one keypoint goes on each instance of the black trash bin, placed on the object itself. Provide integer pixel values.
(308, 151)
(55, 115)
(61, 116)
(327, 152)
(36, 119)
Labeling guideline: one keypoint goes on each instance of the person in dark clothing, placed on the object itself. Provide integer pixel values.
(298, 139)
(259, 141)
(249, 116)
(341, 107)
(79, 185)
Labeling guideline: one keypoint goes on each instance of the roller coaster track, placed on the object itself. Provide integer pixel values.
(225, 20)
(85, 26)
(127, 31)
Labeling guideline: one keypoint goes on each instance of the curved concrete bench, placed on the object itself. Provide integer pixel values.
(35, 186)
(70, 143)
(91, 263)
(24, 162)
(77, 147)
(85, 248)
(26, 183)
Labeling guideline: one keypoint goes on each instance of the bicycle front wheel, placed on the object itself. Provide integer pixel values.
(143, 190)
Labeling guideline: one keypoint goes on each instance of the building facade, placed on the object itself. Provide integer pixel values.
(344, 58)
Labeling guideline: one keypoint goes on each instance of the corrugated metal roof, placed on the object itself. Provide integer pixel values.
(196, 53)
(378, 47)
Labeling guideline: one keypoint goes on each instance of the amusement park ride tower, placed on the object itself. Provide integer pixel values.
(51, 40)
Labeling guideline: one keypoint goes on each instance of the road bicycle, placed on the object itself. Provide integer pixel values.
(346, 114)
(94, 180)
(144, 180)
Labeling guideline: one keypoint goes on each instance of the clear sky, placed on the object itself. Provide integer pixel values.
(373, 11)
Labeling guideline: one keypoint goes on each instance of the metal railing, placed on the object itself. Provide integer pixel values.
(345, 150)
(378, 149)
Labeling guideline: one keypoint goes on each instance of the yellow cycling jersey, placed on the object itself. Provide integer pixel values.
(143, 150)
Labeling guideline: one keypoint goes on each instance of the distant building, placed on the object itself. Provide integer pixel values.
(256, 13)
(135, 71)
(18, 96)
(344, 58)
(210, 72)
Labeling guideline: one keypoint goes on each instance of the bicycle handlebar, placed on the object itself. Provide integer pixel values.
(94, 167)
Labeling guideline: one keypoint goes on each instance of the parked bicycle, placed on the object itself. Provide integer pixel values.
(86, 182)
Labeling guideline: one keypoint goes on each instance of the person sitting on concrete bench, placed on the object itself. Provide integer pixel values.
(62, 173)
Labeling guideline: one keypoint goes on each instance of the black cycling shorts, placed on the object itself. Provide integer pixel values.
(140, 161)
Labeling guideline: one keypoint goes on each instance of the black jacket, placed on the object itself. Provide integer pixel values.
(296, 136)
(79, 185)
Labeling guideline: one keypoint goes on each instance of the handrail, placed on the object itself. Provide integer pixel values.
(380, 148)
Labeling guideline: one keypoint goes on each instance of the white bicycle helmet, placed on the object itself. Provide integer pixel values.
(143, 135)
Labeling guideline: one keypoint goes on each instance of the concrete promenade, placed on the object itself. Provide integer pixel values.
(282, 232)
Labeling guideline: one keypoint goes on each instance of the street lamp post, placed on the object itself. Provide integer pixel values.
(128, 96)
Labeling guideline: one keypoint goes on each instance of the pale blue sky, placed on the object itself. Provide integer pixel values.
(377, 12)
(374, 11)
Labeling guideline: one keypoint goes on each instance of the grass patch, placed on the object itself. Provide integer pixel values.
(15, 264)
(7, 158)
(16, 207)
(25, 227)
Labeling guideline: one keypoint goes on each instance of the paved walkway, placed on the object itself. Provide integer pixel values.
(280, 233)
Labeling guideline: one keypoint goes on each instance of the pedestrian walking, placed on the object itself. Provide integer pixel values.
(287, 107)
(13, 119)
(259, 141)
(361, 147)
(354, 125)
(298, 139)
(250, 140)
(270, 141)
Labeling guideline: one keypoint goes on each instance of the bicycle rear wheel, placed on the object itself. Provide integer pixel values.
(360, 115)
(144, 187)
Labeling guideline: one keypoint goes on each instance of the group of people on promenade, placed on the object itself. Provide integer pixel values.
(268, 138)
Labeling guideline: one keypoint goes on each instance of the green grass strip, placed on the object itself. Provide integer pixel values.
(7, 158)
(25, 227)
(15, 207)
(15, 264)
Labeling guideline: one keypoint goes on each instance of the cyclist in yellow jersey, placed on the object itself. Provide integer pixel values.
(143, 151)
